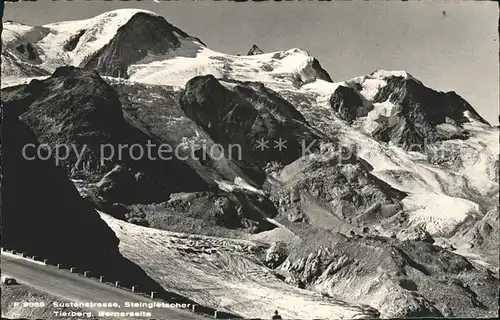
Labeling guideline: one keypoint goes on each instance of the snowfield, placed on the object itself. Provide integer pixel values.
(193, 59)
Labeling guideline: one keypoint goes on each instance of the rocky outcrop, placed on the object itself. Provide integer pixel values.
(72, 42)
(276, 254)
(420, 110)
(338, 183)
(482, 237)
(322, 73)
(28, 51)
(254, 50)
(349, 104)
(414, 234)
(245, 116)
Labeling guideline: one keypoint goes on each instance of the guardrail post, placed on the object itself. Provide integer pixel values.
(14, 252)
(216, 314)
(116, 283)
(23, 255)
(152, 296)
(194, 308)
(45, 261)
(72, 269)
(34, 257)
(86, 273)
(134, 288)
(101, 279)
(59, 266)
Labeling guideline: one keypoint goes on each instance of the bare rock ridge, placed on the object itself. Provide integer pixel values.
(331, 182)
(322, 73)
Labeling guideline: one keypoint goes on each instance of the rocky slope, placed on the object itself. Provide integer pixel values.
(79, 110)
(44, 215)
(425, 280)
(334, 190)
(380, 179)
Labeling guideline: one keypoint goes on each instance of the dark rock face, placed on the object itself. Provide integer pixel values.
(142, 34)
(156, 110)
(409, 279)
(72, 42)
(420, 110)
(43, 214)
(244, 116)
(76, 108)
(79, 113)
(254, 50)
(322, 73)
(349, 104)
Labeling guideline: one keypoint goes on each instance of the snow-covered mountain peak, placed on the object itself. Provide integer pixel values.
(124, 35)
(91, 34)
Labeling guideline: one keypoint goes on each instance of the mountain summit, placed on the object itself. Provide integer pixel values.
(109, 43)
(254, 50)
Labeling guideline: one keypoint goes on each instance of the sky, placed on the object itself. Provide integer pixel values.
(457, 51)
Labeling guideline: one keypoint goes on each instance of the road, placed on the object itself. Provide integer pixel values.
(74, 288)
